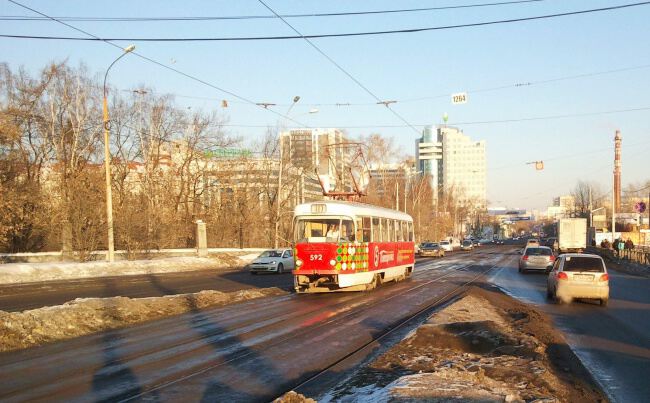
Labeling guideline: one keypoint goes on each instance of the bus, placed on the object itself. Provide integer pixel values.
(349, 246)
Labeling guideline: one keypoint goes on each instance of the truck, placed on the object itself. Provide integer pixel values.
(572, 235)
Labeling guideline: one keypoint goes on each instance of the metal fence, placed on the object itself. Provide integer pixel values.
(640, 254)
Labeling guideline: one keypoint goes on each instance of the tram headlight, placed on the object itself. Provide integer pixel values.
(298, 262)
(332, 262)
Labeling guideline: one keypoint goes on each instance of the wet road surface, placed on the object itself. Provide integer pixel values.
(613, 342)
(253, 351)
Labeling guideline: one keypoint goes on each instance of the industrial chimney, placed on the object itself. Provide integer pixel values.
(617, 170)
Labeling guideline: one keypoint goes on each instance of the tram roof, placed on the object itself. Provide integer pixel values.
(338, 207)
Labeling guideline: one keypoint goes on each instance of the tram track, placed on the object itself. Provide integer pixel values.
(340, 318)
(351, 311)
(412, 320)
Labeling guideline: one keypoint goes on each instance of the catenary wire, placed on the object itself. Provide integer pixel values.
(484, 122)
(249, 17)
(177, 71)
(339, 35)
(490, 89)
(340, 68)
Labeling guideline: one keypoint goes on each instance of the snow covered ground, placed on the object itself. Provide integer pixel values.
(13, 273)
(83, 316)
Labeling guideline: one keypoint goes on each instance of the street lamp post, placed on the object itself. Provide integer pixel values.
(110, 256)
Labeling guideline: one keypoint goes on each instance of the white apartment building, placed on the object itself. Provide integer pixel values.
(454, 161)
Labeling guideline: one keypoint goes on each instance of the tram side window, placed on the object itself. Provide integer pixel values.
(391, 230)
(410, 232)
(400, 231)
(367, 229)
(376, 237)
(384, 230)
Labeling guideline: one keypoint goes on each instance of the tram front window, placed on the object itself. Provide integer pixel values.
(324, 230)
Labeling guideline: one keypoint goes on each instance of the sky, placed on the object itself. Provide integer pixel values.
(552, 90)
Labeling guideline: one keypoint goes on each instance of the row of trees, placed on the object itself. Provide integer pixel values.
(52, 179)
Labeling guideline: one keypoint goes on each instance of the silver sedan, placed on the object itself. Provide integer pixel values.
(272, 261)
(578, 275)
(539, 258)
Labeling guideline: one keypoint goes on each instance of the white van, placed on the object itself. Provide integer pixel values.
(446, 245)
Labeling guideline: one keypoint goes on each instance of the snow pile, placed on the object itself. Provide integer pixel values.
(88, 315)
(293, 397)
(12, 273)
(485, 347)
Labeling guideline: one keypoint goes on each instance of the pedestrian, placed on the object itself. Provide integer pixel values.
(629, 244)
(621, 247)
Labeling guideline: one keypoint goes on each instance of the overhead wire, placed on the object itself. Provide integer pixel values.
(596, 170)
(337, 35)
(249, 17)
(567, 156)
(489, 89)
(467, 123)
(340, 68)
(191, 77)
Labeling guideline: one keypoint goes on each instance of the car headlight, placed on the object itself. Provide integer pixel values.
(273, 262)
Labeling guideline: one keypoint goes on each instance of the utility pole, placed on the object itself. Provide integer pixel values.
(278, 197)
(396, 195)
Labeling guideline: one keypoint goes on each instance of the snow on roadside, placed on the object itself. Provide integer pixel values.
(12, 273)
(484, 347)
(89, 315)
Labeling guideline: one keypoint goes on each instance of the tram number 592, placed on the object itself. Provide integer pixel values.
(316, 257)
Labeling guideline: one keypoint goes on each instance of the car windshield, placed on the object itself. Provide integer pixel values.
(444, 243)
(467, 243)
(429, 245)
(271, 253)
(538, 252)
(583, 263)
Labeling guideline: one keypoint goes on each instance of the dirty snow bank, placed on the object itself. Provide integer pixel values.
(484, 347)
(12, 273)
(88, 315)
(293, 397)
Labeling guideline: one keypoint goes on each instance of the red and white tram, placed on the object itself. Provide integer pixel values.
(347, 246)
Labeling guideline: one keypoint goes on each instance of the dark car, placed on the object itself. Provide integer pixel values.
(431, 249)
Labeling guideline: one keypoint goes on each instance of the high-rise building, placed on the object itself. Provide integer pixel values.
(455, 163)
(320, 150)
(428, 153)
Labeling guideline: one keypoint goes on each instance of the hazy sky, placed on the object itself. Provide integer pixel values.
(419, 70)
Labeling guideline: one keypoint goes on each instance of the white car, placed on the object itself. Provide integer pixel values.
(446, 246)
(272, 261)
(578, 275)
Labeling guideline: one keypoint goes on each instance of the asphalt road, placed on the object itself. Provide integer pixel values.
(613, 342)
(20, 297)
(252, 351)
